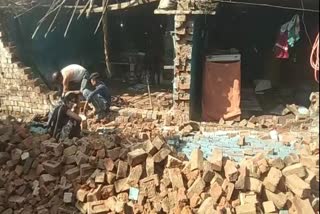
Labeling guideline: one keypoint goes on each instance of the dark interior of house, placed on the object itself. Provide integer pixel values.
(135, 36)
(252, 33)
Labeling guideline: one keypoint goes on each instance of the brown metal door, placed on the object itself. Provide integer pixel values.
(221, 91)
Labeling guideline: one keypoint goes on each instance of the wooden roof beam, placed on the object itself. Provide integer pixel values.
(124, 5)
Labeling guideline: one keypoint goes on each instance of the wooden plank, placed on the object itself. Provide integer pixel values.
(185, 12)
(124, 5)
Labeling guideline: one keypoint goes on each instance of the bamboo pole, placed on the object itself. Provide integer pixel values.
(105, 39)
(149, 91)
(53, 21)
(71, 18)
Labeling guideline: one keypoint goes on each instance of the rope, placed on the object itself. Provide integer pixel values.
(314, 58)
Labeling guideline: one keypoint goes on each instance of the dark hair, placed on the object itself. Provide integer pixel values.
(69, 97)
(56, 76)
(94, 76)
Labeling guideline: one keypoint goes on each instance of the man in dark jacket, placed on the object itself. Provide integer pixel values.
(63, 122)
(100, 97)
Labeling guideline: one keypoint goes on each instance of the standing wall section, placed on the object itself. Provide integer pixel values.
(20, 93)
(182, 62)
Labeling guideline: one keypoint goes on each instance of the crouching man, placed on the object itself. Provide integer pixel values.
(71, 78)
(100, 97)
(64, 123)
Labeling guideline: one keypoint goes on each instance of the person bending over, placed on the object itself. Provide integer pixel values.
(100, 97)
(71, 78)
(64, 123)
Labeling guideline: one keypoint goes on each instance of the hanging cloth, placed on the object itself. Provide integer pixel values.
(293, 29)
(289, 34)
(282, 46)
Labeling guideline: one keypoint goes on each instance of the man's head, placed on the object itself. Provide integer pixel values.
(94, 78)
(69, 99)
(57, 77)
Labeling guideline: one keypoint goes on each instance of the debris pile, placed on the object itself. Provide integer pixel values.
(107, 174)
(160, 101)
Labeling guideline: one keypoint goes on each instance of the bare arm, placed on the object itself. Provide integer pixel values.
(76, 92)
(74, 115)
(85, 108)
(65, 84)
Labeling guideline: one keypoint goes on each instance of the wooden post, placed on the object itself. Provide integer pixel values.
(149, 91)
(105, 39)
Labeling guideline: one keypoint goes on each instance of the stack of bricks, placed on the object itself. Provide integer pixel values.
(20, 93)
(182, 62)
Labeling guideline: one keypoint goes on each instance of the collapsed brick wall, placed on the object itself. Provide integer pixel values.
(182, 62)
(21, 94)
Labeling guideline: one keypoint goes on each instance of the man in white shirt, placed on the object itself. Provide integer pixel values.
(70, 77)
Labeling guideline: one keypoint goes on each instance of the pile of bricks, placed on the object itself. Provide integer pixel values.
(100, 174)
(160, 101)
(20, 93)
(133, 113)
(168, 183)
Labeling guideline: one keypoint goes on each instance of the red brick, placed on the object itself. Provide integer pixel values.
(56, 148)
(231, 171)
(82, 195)
(100, 178)
(94, 194)
(16, 154)
(85, 171)
(173, 162)
(298, 186)
(71, 150)
(101, 153)
(279, 199)
(269, 207)
(122, 169)
(196, 159)
(277, 163)
(98, 207)
(121, 185)
(81, 158)
(46, 178)
(253, 184)
(111, 177)
(109, 164)
(161, 155)
(52, 167)
(136, 157)
(114, 154)
(208, 173)
(310, 161)
(158, 142)
(272, 180)
(176, 178)
(107, 191)
(296, 169)
(302, 206)
(150, 148)
(196, 188)
(215, 192)
(195, 201)
(246, 209)
(134, 176)
(72, 173)
(149, 166)
(206, 205)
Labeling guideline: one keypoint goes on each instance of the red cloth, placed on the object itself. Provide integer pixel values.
(282, 46)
